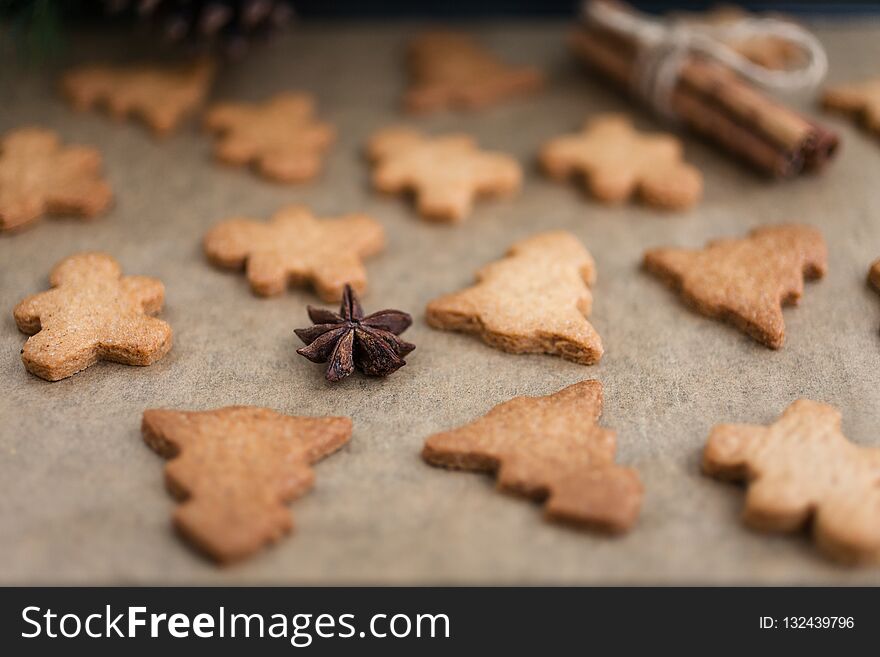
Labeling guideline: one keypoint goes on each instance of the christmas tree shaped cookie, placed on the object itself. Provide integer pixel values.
(550, 449)
(234, 469)
(160, 96)
(280, 137)
(535, 300)
(803, 472)
(92, 313)
(450, 70)
(746, 281)
(294, 248)
(40, 176)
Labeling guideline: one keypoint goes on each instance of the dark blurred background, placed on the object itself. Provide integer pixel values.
(101, 9)
(493, 8)
(37, 28)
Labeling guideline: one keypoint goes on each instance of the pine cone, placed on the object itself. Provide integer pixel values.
(230, 25)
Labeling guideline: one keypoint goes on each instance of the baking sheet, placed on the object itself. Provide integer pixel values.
(83, 499)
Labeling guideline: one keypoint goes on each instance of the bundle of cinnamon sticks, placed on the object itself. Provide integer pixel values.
(716, 103)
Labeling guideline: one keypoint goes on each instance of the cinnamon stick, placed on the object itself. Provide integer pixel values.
(714, 102)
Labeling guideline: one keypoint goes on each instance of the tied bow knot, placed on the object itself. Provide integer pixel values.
(665, 45)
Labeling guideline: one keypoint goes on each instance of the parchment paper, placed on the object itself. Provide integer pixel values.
(83, 499)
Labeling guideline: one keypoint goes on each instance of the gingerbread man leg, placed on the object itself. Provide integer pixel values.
(53, 357)
(137, 341)
(267, 274)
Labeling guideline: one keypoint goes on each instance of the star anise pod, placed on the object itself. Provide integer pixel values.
(350, 341)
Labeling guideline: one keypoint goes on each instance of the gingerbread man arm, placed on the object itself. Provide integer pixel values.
(230, 147)
(673, 186)
(771, 503)
(498, 174)
(444, 200)
(727, 452)
(18, 210)
(141, 341)
(286, 165)
(78, 189)
(392, 140)
(225, 116)
(230, 242)
(145, 292)
(54, 357)
(874, 275)
(856, 99)
(363, 234)
(27, 313)
(268, 273)
(561, 156)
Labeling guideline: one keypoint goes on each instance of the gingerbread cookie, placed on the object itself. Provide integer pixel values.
(295, 248)
(233, 469)
(550, 449)
(40, 176)
(616, 162)
(874, 275)
(803, 472)
(446, 173)
(535, 300)
(451, 71)
(160, 96)
(92, 313)
(861, 100)
(279, 137)
(745, 282)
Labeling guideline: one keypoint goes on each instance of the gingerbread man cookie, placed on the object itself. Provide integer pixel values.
(550, 449)
(451, 71)
(745, 282)
(295, 248)
(535, 300)
(446, 173)
(617, 162)
(92, 313)
(279, 137)
(874, 275)
(861, 100)
(803, 472)
(160, 96)
(40, 176)
(233, 469)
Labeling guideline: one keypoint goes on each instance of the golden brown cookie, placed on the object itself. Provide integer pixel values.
(535, 300)
(449, 70)
(445, 173)
(803, 472)
(745, 282)
(860, 100)
(281, 137)
(160, 96)
(234, 469)
(92, 313)
(874, 275)
(40, 176)
(295, 248)
(550, 449)
(617, 162)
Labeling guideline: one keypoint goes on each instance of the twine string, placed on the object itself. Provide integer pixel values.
(665, 45)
